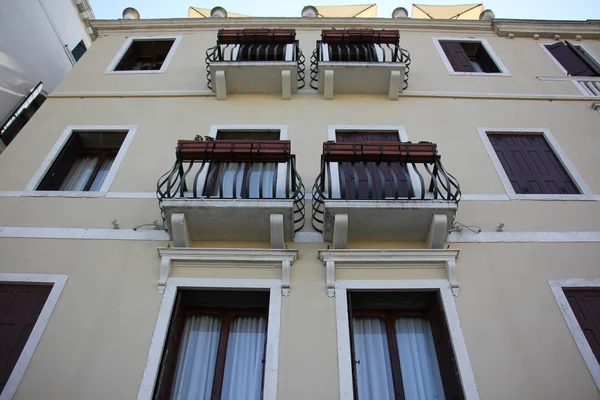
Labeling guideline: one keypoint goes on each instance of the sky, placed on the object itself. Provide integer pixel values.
(524, 9)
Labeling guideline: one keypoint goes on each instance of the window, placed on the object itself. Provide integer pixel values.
(401, 346)
(79, 50)
(353, 52)
(144, 55)
(469, 57)
(585, 303)
(215, 346)
(531, 165)
(261, 52)
(84, 162)
(20, 307)
(575, 59)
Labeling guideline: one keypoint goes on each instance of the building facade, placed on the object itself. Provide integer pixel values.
(219, 208)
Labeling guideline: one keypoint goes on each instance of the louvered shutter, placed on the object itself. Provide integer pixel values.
(62, 165)
(531, 165)
(585, 57)
(586, 307)
(569, 60)
(457, 56)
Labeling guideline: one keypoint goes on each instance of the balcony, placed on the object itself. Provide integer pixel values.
(237, 190)
(255, 61)
(383, 191)
(359, 61)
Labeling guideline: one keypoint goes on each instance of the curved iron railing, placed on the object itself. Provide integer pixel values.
(409, 185)
(364, 52)
(269, 52)
(202, 179)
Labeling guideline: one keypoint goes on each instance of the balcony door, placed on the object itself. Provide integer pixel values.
(372, 180)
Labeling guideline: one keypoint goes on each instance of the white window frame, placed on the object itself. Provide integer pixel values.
(58, 284)
(463, 363)
(488, 48)
(586, 193)
(43, 169)
(271, 365)
(281, 167)
(557, 286)
(335, 169)
(117, 58)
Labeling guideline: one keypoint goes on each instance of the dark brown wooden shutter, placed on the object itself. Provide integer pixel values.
(170, 354)
(531, 165)
(443, 347)
(457, 56)
(585, 57)
(62, 165)
(20, 307)
(586, 307)
(569, 60)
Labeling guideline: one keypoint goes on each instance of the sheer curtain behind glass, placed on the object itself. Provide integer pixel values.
(418, 360)
(255, 170)
(371, 353)
(243, 375)
(81, 172)
(197, 356)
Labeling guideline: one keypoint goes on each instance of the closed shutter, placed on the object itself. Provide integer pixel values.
(62, 165)
(569, 60)
(531, 165)
(457, 56)
(375, 170)
(586, 307)
(164, 381)
(20, 307)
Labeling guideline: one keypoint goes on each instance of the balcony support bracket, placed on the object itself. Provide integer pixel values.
(221, 85)
(438, 231)
(395, 85)
(179, 230)
(340, 231)
(286, 85)
(328, 88)
(276, 225)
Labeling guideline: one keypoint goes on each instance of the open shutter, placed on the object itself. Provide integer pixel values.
(586, 307)
(457, 56)
(585, 57)
(62, 165)
(569, 60)
(164, 381)
(443, 347)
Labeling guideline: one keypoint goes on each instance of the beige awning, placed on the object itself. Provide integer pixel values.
(354, 11)
(459, 11)
(197, 12)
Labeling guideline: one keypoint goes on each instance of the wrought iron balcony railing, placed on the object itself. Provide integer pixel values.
(234, 169)
(358, 45)
(380, 171)
(256, 45)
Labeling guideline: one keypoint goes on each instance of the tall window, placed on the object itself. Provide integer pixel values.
(574, 59)
(215, 346)
(84, 161)
(401, 347)
(145, 54)
(468, 57)
(585, 303)
(79, 50)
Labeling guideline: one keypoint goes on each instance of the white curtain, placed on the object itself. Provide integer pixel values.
(418, 360)
(104, 168)
(267, 181)
(197, 357)
(79, 174)
(228, 174)
(371, 352)
(243, 375)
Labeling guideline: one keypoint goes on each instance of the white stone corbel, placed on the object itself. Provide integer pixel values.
(163, 274)
(438, 231)
(328, 84)
(286, 85)
(395, 82)
(330, 278)
(286, 275)
(452, 276)
(340, 231)
(276, 225)
(180, 231)
(221, 85)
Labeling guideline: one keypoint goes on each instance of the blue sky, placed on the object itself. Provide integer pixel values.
(526, 9)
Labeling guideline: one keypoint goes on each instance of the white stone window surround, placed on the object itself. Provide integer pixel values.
(30, 190)
(557, 286)
(128, 42)
(586, 193)
(58, 283)
(456, 336)
(335, 169)
(488, 48)
(281, 167)
(271, 365)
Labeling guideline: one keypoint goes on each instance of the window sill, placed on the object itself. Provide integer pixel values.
(553, 197)
(161, 71)
(60, 193)
(506, 74)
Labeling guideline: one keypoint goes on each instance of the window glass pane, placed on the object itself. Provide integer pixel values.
(372, 359)
(80, 173)
(197, 356)
(243, 375)
(418, 360)
(104, 168)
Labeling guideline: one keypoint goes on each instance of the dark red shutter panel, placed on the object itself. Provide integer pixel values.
(170, 354)
(62, 165)
(20, 307)
(443, 347)
(569, 60)
(531, 165)
(586, 307)
(457, 56)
